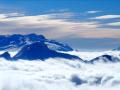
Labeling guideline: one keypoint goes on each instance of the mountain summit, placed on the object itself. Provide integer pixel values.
(116, 49)
(105, 59)
(39, 50)
(17, 41)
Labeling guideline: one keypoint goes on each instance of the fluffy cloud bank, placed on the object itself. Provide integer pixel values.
(48, 75)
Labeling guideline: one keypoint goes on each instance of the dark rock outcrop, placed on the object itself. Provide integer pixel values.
(6, 55)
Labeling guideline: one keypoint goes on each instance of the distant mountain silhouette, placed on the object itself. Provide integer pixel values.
(39, 50)
(116, 49)
(6, 55)
(17, 41)
(105, 59)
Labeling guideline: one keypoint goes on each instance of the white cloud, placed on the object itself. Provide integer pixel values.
(54, 26)
(107, 17)
(114, 24)
(14, 14)
(59, 26)
(48, 75)
(4, 16)
(92, 12)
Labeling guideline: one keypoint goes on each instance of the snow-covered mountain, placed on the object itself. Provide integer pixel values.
(5, 55)
(105, 59)
(39, 50)
(17, 41)
(116, 49)
(89, 55)
(39, 64)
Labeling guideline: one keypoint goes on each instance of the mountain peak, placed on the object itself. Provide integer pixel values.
(19, 40)
(40, 50)
(116, 49)
(5, 55)
(105, 58)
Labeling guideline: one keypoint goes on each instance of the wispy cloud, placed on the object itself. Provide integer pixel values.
(54, 26)
(107, 17)
(93, 12)
(114, 24)
(8, 15)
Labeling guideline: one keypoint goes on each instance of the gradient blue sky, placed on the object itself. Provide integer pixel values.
(84, 24)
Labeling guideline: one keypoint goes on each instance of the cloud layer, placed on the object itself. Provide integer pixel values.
(114, 24)
(107, 17)
(57, 25)
(48, 75)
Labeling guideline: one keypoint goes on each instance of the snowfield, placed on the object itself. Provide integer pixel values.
(60, 74)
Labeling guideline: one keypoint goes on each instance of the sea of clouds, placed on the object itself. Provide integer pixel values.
(60, 74)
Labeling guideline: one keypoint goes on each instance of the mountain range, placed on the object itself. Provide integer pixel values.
(16, 41)
(34, 47)
(39, 50)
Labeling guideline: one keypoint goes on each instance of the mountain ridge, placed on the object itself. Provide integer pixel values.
(19, 40)
(37, 50)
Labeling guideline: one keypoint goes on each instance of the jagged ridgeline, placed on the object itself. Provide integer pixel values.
(33, 47)
(17, 41)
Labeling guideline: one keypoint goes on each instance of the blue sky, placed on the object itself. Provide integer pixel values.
(84, 24)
